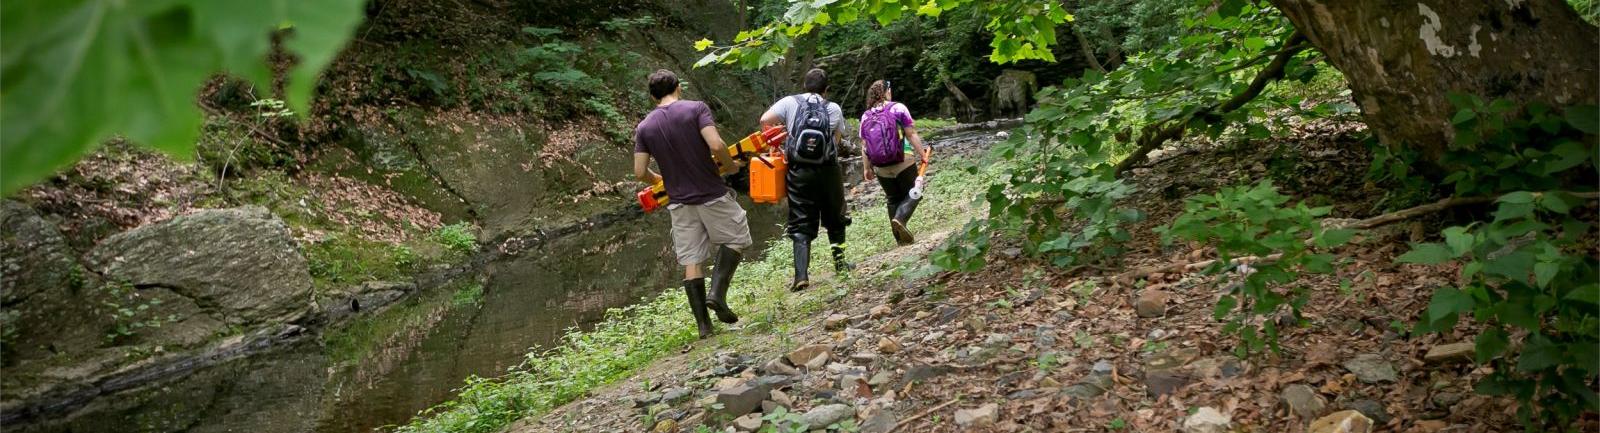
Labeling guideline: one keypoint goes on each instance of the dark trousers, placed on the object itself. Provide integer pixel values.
(897, 190)
(816, 195)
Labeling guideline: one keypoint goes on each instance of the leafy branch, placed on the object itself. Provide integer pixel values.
(1023, 29)
(1158, 134)
(81, 71)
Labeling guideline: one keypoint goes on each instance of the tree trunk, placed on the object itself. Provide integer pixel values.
(966, 103)
(1402, 58)
(1088, 50)
(1114, 48)
(742, 11)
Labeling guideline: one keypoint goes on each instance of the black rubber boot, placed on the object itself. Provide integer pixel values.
(839, 265)
(696, 290)
(802, 265)
(901, 217)
(721, 278)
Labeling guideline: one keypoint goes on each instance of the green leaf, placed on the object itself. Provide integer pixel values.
(1426, 254)
(79, 72)
(1519, 197)
(1230, 8)
(1491, 343)
(1335, 237)
(1224, 306)
(1520, 313)
(1589, 293)
(1467, 139)
(1463, 115)
(1448, 301)
(1458, 239)
(1584, 118)
(702, 44)
(1543, 272)
(1569, 154)
(1255, 44)
(1540, 353)
(1558, 202)
(1515, 265)
(1510, 211)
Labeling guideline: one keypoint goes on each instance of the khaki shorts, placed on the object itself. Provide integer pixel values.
(696, 227)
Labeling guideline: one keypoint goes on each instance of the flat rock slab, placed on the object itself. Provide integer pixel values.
(1303, 401)
(1371, 368)
(1453, 352)
(1207, 420)
(807, 356)
(828, 414)
(242, 260)
(979, 416)
(742, 399)
(1348, 421)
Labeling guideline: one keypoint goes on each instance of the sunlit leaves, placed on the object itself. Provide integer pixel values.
(79, 72)
(1022, 29)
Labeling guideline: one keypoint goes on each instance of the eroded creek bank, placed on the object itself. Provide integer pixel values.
(382, 368)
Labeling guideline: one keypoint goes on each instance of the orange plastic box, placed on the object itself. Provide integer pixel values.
(766, 178)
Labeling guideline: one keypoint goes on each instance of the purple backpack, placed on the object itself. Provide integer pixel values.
(880, 131)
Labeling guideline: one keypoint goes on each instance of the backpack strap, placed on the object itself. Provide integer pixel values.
(799, 110)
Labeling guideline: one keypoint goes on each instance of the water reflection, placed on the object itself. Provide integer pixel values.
(529, 300)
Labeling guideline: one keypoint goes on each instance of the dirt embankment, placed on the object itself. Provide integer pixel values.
(440, 126)
(1025, 346)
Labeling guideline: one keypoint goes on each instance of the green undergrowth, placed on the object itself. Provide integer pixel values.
(342, 256)
(630, 338)
(924, 125)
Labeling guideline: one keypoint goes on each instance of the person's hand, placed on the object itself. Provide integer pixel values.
(866, 176)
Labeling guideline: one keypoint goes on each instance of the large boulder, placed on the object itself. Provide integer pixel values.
(42, 286)
(34, 257)
(241, 263)
(1012, 90)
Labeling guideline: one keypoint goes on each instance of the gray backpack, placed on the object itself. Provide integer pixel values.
(811, 138)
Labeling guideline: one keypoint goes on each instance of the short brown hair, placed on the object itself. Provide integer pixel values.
(816, 81)
(663, 83)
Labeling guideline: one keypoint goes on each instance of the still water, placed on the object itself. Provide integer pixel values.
(528, 300)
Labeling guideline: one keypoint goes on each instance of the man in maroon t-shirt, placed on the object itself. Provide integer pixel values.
(683, 139)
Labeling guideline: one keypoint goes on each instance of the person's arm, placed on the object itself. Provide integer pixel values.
(924, 152)
(770, 118)
(719, 150)
(840, 131)
(641, 169)
(641, 162)
(866, 168)
(910, 132)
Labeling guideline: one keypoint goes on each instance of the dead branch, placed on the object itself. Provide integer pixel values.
(255, 130)
(908, 421)
(1180, 267)
(1364, 224)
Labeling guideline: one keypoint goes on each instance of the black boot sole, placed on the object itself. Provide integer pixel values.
(724, 314)
(902, 236)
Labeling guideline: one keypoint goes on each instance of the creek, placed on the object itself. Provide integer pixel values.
(419, 352)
